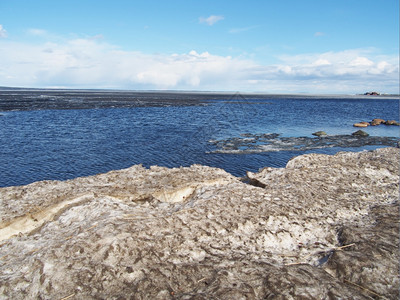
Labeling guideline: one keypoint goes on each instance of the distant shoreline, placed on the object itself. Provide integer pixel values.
(26, 99)
(190, 92)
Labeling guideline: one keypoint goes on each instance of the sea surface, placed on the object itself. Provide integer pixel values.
(63, 134)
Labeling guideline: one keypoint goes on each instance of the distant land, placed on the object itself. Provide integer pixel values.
(192, 92)
(18, 99)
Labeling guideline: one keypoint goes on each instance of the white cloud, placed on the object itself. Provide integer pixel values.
(3, 32)
(345, 67)
(211, 20)
(92, 63)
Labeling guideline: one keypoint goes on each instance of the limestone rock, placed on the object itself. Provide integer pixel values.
(200, 233)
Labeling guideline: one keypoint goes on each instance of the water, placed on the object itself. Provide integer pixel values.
(46, 135)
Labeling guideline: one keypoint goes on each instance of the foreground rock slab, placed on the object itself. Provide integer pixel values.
(324, 227)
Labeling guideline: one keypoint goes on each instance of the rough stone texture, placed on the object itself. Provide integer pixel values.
(324, 227)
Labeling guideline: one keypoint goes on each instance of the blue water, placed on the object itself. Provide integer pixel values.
(58, 144)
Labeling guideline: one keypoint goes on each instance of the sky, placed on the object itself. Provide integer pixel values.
(270, 46)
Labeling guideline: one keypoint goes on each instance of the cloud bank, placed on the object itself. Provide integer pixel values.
(91, 63)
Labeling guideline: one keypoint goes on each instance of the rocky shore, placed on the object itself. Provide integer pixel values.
(272, 142)
(324, 227)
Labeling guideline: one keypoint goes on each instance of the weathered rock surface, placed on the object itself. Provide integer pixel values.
(324, 227)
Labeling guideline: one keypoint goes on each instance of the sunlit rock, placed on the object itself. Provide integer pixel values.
(376, 122)
(361, 124)
(391, 122)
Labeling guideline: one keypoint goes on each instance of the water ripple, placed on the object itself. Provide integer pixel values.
(63, 144)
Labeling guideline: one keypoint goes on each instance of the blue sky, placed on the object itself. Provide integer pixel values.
(309, 46)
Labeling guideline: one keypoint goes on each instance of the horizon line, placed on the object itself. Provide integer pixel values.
(221, 92)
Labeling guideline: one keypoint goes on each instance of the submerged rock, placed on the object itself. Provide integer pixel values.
(360, 133)
(320, 133)
(323, 227)
(256, 143)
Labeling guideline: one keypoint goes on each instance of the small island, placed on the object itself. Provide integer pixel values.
(373, 93)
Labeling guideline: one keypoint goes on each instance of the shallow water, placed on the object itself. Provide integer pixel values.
(117, 130)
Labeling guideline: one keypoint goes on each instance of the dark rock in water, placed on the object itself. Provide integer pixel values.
(320, 133)
(360, 133)
(324, 227)
(269, 136)
(247, 134)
